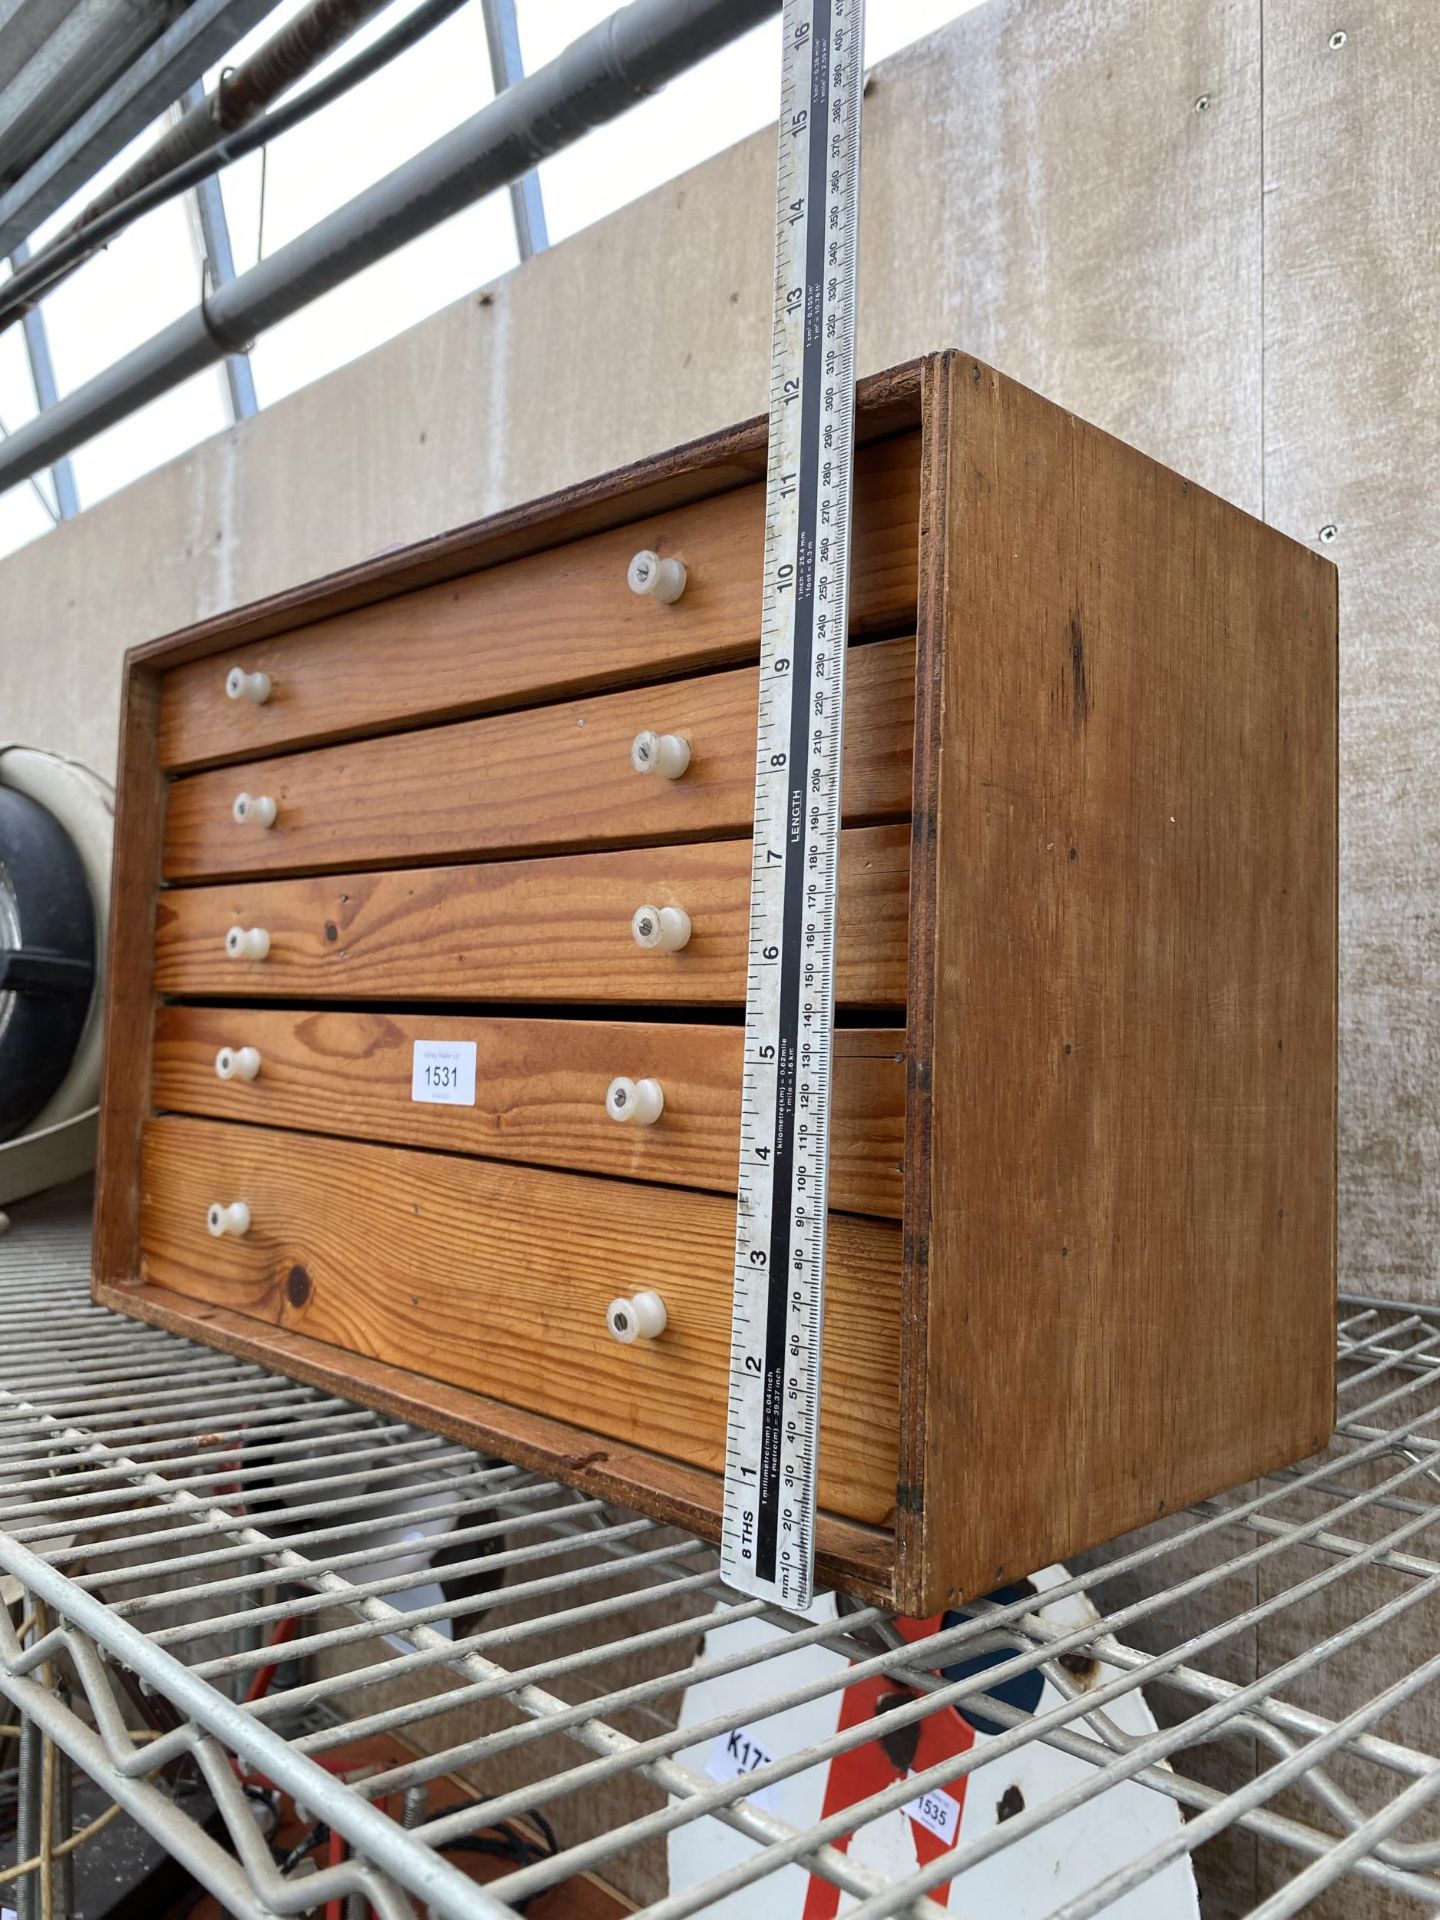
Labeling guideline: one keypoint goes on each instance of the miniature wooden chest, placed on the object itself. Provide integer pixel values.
(409, 1079)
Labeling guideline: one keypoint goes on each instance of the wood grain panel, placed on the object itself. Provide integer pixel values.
(530, 930)
(540, 1091)
(556, 622)
(126, 1060)
(497, 1278)
(553, 778)
(1131, 1271)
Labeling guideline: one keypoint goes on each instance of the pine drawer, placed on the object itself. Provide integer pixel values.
(497, 1279)
(546, 778)
(557, 929)
(540, 1090)
(536, 627)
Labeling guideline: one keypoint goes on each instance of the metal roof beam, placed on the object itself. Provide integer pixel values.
(141, 93)
(44, 85)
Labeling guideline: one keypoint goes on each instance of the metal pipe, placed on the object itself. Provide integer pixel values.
(598, 76)
(243, 91)
(217, 266)
(79, 242)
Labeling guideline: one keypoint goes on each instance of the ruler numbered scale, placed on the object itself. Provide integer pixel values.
(773, 1426)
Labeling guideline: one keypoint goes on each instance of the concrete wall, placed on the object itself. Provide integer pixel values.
(1202, 225)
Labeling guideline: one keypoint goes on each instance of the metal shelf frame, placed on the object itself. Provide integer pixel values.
(165, 1508)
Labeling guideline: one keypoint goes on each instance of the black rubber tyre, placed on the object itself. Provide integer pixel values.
(47, 957)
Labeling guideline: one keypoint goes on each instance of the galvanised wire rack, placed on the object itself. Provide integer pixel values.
(170, 1515)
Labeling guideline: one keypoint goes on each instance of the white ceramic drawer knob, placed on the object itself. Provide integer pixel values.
(667, 754)
(232, 1219)
(667, 928)
(254, 810)
(642, 1101)
(662, 580)
(642, 1317)
(240, 685)
(247, 943)
(237, 1063)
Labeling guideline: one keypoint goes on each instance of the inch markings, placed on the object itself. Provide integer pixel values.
(773, 1431)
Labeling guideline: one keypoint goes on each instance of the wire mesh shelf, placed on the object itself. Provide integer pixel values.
(1247, 1683)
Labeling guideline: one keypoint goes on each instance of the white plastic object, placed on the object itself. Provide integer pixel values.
(667, 754)
(642, 1101)
(642, 1317)
(240, 685)
(254, 809)
(232, 1219)
(662, 580)
(237, 1063)
(247, 943)
(667, 928)
(60, 1141)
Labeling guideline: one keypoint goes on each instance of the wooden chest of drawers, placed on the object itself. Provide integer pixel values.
(1082, 1246)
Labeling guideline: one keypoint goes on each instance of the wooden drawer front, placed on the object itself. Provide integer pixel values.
(539, 1091)
(556, 777)
(556, 622)
(497, 1278)
(527, 930)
